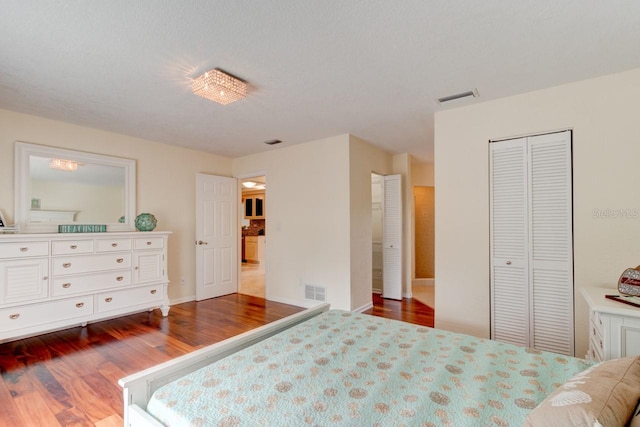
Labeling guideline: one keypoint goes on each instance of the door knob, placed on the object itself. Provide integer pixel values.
(200, 242)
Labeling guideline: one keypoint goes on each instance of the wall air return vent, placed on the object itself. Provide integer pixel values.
(316, 293)
(459, 96)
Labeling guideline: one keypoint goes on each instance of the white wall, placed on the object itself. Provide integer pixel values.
(603, 114)
(165, 180)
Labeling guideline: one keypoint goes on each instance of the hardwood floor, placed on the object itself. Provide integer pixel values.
(69, 378)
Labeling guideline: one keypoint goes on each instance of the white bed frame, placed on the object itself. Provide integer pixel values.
(138, 388)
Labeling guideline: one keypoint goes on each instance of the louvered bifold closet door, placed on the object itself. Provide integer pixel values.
(392, 237)
(550, 234)
(509, 242)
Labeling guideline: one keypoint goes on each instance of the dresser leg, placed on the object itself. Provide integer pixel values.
(165, 310)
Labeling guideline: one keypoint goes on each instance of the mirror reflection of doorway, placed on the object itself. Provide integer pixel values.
(253, 237)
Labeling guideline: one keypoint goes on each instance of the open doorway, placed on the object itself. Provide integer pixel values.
(253, 237)
(423, 286)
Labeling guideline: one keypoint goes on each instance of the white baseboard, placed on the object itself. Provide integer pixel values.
(423, 282)
(182, 300)
(363, 308)
(297, 303)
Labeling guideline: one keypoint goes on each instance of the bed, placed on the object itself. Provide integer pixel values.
(332, 367)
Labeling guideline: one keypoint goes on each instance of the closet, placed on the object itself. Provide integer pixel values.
(531, 242)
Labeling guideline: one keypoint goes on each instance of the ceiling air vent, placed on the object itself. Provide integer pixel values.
(273, 142)
(462, 95)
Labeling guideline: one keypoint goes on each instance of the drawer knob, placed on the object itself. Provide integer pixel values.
(45, 278)
(601, 346)
(120, 260)
(153, 291)
(108, 299)
(14, 316)
(74, 246)
(508, 262)
(119, 278)
(66, 265)
(80, 305)
(148, 243)
(66, 285)
(114, 245)
(24, 249)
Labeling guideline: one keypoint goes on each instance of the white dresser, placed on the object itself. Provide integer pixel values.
(55, 281)
(614, 327)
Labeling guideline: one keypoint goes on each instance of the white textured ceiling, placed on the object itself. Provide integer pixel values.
(316, 68)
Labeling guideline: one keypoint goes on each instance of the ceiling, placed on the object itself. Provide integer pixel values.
(316, 69)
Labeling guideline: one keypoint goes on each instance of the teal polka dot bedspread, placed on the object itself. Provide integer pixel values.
(349, 369)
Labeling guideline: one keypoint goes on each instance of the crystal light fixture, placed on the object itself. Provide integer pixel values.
(219, 87)
(63, 165)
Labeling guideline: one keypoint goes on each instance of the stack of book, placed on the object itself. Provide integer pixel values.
(10, 229)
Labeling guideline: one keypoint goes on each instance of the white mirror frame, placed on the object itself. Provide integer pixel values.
(23, 150)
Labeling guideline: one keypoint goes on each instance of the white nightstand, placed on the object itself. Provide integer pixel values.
(614, 327)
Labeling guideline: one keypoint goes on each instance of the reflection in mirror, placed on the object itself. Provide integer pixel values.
(57, 186)
(89, 192)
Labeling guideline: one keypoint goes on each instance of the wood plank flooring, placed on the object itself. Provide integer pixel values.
(69, 378)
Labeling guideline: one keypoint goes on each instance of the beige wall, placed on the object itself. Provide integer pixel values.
(363, 159)
(165, 180)
(603, 114)
(424, 232)
(307, 218)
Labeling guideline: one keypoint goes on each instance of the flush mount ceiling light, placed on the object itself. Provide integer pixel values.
(63, 165)
(459, 96)
(220, 87)
(249, 184)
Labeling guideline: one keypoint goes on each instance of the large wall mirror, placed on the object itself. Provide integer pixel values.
(57, 186)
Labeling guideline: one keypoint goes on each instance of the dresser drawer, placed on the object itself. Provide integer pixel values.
(24, 249)
(90, 263)
(111, 245)
(150, 243)
(116, 300)
(69, 247)
(44, 313)
(89, 283)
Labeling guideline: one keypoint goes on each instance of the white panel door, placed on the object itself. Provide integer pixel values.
(551, 241)
(392, 237)
(216, 236)
(509, 242)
